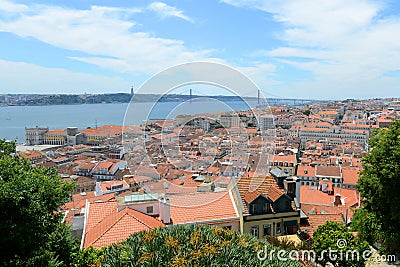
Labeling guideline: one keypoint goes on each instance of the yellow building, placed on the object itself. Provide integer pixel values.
(265, 209)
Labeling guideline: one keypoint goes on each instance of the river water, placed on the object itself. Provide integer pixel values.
(14, 119)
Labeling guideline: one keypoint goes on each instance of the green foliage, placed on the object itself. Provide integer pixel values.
(326, 238)
(379, 184)
(190, 245)
(29, 200)
(31, 230)
(89, 257)
(287, 244)
(366, 225)
(6, 148)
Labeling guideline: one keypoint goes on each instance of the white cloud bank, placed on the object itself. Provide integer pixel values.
(21, 77)
(347, 46)
(110, 37)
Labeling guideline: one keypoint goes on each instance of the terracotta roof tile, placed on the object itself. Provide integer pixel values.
(306, 171)
(79, 202)
(103, 165)
(262, 185)
(328, 171)
(117, 226)
(350, 176)
(106, 185)
(316, 220)
(275, 193)
(250, 196)
(202, 207)
(97, 212)
(284, 158)
(313, 196)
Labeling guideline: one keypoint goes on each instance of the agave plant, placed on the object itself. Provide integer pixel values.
(190, 245)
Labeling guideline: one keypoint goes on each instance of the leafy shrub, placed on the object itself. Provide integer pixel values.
(190, 245)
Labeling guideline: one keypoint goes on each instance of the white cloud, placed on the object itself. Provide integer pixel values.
(118, 65)
(262, 74)
(163, 10)
(102, 33)
(113, 41)
(20, 77)
(7, 6)
(346, 45)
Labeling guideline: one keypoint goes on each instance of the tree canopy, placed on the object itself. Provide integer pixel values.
(29, 200)
(336, 237)
(366, 225)
(379, 184)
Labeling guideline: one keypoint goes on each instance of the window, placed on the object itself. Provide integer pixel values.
(149, 209)
(278, 228)
(253, 208)
(266, 207)
(254, 231)
(267, 229)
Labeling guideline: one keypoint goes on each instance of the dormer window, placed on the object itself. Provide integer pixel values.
(266, 207)
(253, 208)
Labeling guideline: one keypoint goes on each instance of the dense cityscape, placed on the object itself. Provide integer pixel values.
(162, 133)
(309, 177)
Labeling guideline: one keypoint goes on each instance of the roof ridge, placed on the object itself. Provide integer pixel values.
(119, 215)
(130, 210)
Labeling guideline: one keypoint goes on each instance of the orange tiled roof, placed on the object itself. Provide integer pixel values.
(262, 185)
(108, 130)
(79, 201)
(313, 196)
(103, 165)
(328, 171)
(350, 175)
(316, 220)
(86, 166)
(322, 209)
(250, 196)
(117, 226)
(202, 207)
(304, 170)
(105, 186)
(32, 154)
(98, 211)
(172, 187)
(275, 193)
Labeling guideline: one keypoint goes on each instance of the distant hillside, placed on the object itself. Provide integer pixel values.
(67, 99)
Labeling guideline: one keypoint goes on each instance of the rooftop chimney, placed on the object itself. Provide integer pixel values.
(167, 214)
(161, 208)
(290, 187)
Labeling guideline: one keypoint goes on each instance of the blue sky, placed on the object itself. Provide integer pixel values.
(331, 49)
